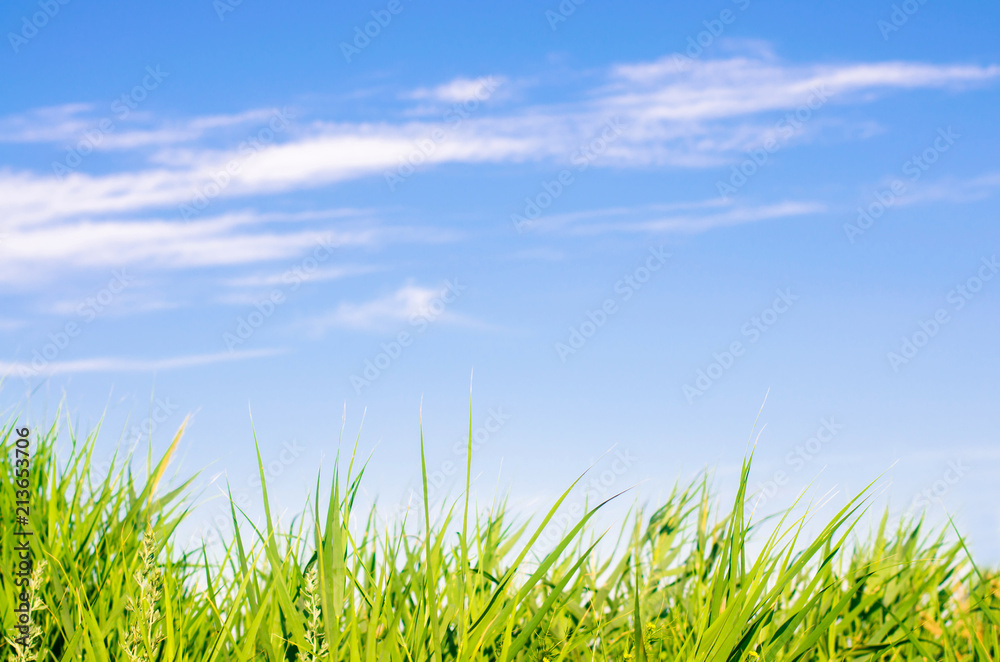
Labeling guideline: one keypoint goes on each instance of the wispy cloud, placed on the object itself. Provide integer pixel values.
(701, 116)
(677, 218)
(118, 364)
(125, 304)
(10, 324)
(287, 277)
(48, 124)
(82, 122)
(954, 190)
(32, 256)
(459, 90)
(37, 254)
(407, 305)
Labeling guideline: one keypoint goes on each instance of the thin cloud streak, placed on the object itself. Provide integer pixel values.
(653, 220)
(694, 118)
(285, 277)
(37, 255)
(118, 364)
(957, 191)
(71, 124)
(410, 304)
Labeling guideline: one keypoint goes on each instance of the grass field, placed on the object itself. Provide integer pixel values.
(108, 581)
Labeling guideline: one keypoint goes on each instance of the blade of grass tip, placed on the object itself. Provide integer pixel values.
(543, 565)
(464, 568)
(429, 572)
(354, 451)
(639, 645)
(961, 539)
(757, 419)
(254, 595)
(271, 548)
(161, 467)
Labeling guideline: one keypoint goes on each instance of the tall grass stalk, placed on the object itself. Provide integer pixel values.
(681, 584)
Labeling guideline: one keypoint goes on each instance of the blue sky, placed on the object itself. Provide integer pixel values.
(629, 222)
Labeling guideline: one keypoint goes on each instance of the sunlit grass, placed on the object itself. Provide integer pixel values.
(680, 584)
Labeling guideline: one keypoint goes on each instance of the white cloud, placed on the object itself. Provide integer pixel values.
(78, 122)
(38, 254)
(126, 303)
(460, 89)
(49, 124)
(678, 218)
(299, 276)
(117, 364)
(954, 190)
(407, 305)
(689, 224)
(703, 115)
(33, 256)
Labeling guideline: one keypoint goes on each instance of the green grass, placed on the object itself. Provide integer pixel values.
(680, 584)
